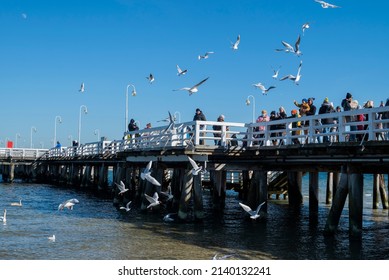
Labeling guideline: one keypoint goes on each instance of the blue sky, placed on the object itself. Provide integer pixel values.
(48, 48)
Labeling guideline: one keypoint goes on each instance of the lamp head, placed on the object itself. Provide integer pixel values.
(248, 102)
(133, 93)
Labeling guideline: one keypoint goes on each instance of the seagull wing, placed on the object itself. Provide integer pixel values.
(259, 207)
(246, 208)
(287, 46)
(193, 163)
(149, 198)
(152, 180)
(203, 81)
(290, 77)
(148, 167)
(297, 44)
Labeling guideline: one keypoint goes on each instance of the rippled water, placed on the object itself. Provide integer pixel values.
(95, 229)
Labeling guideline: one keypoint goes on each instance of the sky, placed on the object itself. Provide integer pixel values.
(49, 47)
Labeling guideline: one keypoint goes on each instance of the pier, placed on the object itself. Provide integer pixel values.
(269, 162)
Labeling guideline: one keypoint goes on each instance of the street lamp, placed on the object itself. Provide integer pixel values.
(33, 129)
(97, 132)
(57, 118)
(79, 121)
(248, 104)
(16, 139)
(133, 94)
(179, 116)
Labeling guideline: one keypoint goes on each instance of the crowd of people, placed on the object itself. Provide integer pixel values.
(305, 108)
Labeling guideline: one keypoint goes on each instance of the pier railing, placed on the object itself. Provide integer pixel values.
(307, 130)
(21, 153)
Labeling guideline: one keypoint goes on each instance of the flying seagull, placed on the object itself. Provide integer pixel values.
(193, 89)
(296, 78)
(195, 168)
(150, 78)
(236, 44)
(305, 26)
(146, 175)
(262, 88)
(68, 204)
(326, 5)
(121, 187)
(253, 214)
(171, 121)
(290, 49)
(153, 200)
(82, 88)
(181, 72)
(127, 208)
(276, 72)
(205, 56)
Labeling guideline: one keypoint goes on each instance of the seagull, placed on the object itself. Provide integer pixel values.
(276, 72)
(68, 204)
(150, 78)
(127, 208)
(146, 175)
(326, 5)
(195, 168)
(289, 48)
(171, 217)
(262, 87)
(205, 56)
(82, 88)
(171, 121)
(153, 200)
(51, 238)
(296, 78)
(121, 187)
(193, 89)
(181, 72)
(236, 44)
(17, 203)
(305, 26)
(4, 218)
(253, 214)
(168, 194)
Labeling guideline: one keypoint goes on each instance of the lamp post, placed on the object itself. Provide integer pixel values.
(79, 121)
(179, 116)
(97, 132)
(33, 129)
(248, 104)
(133, 94)
(57, 118)
(16, 139)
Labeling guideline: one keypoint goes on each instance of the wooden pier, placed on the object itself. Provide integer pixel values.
(264, 168)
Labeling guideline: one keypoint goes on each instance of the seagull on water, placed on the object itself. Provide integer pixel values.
(296, 78)
(121, 187)
(262, 88)
(150, 78)
(205, 56)
(235, 45)
(181, 72)
(253, 214)
(154, 201)
(193, 89)
(195, 168)
(289, 48)
(82, 88)
(68, 204)
(326, 5)
(127, 208)
(4, 217)
(17, 203)
(51, 238)
(146, 175)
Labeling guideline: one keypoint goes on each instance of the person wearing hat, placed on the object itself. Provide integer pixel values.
(262, 118)
(274, 117)
(294, 114)
(217, 135)
(199, 116)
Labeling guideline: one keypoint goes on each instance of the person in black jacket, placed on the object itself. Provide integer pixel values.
(199, 116)
(326, 108)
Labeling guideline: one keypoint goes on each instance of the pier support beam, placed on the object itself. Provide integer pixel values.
(314, 192)
(355, 205)
(330, 192)
(218, 179)
(258, 190)
(295, 188)
(186, 194)
(383, 193)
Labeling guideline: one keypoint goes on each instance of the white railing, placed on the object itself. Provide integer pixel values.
(228, 134)
(21, 153)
